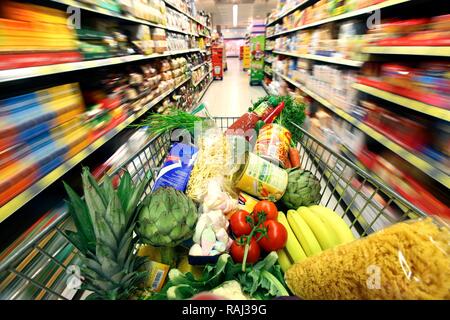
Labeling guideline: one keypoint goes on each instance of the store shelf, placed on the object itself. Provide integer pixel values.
(266, 88)
(406, 50)
(268, 73)
(288, 12)
(199, 66)
(202, 78)
(203, 92)
(31, 72)
(425, 164)
(186, 14)
(428, 109)
(333, 60)
(355, 13)
(108, 13)
(20, 200)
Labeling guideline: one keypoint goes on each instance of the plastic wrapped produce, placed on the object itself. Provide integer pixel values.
(409, 260)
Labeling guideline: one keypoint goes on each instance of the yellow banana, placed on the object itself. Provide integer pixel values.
(325, 237)
(303, 233)
(293, 247)
(330, 217)
(283, 260)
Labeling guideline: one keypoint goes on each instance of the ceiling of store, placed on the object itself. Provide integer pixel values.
(222, 12)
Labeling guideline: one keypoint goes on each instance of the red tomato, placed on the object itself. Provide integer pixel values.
(268, 207)
(237, 251)
(276, 236)
(239, 224)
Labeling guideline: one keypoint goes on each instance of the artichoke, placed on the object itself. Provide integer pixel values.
(303, 189)
(166, 218)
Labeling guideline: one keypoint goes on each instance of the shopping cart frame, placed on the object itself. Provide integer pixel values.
(335, 173)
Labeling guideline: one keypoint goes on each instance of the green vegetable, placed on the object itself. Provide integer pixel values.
(303, 189)
(166, 218)
(293, 112)
(263, 281)
(175, 119)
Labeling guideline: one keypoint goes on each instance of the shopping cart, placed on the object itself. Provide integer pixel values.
(43, 266)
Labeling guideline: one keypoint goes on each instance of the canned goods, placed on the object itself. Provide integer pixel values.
(261, 178)
(273, 144)
(246, 202)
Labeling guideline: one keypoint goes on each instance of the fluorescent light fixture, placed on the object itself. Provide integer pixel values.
(235, 15)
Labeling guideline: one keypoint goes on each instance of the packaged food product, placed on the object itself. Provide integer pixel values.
(408, 260)
(177, 167)
(261, 178)
(246, 202)
(273, 144)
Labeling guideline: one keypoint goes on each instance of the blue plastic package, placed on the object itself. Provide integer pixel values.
(177, 167)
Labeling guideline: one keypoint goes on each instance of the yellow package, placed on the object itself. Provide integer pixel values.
(246, 202)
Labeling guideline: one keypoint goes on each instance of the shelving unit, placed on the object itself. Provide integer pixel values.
(31, 72)
(200, 97)
(355, 13)
(287, 12)
(170, 5)
(424, 108)
(333, 60)
(199, 66)
(108, 13)
(438, 51)
(24, 197)
(425, 164)
(202, 78)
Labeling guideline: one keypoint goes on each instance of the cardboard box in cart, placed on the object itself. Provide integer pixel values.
(217, 62)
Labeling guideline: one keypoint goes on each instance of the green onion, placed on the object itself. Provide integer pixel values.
(176, 119)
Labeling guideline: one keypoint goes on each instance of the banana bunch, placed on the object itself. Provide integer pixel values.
(311, 230)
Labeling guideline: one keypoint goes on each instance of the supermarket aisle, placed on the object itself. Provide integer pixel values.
(233, 95)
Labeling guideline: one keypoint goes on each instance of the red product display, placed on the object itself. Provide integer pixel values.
(429, 98)
(24, 60)
(408, 133)
(217, 62)
(245, 122)
(404, 184)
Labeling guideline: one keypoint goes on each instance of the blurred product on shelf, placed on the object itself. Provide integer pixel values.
(160, 39)
(152, 11)
(94, 44)
(434, 31)
(340, 40)
(427, 82)
(30, 137)
(178, 21)
(32, 35)
(188, 7)
(320, 10)
(40, 131)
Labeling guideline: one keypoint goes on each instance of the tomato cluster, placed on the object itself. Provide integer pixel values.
(255, 231)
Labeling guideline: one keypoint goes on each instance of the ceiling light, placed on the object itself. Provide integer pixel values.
(235, 15)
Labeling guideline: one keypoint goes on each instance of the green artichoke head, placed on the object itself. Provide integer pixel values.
(303, 189)
(166, 218)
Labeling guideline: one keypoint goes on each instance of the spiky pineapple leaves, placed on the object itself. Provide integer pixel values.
(105, 220)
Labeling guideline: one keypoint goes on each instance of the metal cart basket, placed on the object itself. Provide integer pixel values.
(44, 265)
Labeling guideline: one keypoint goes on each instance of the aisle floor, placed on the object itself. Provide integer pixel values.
(233, 95)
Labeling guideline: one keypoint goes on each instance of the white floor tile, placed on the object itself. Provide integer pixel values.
(233, 95)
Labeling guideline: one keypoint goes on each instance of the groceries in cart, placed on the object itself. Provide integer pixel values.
(244, 210)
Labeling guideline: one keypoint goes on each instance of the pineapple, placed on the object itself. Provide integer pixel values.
(105, 220)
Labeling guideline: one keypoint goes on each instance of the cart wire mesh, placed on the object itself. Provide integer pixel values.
(44, 265)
